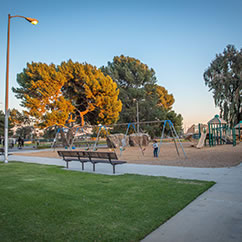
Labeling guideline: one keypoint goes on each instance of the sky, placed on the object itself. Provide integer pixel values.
(178, 39)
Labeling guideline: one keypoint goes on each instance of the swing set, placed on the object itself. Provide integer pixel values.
(175, 137)
(164, 123)
(98, 136)
(122, 148)
(123, 141)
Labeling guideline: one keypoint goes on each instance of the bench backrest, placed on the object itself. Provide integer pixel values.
(89, 154)
(103, 155)
(70, 153)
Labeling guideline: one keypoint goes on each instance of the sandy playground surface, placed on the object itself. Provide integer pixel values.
(218, 156)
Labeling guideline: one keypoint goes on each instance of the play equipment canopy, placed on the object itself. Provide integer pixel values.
(217, 120)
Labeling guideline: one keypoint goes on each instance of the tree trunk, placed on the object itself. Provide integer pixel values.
(63, 138)
(67, 137)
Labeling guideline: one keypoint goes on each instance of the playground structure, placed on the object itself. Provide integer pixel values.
(135, 140)
(197, 134)
(219, 132)
(175, 137)
(237, 132)
(81, 137)
(119, 140)
(216, 132)
(203, 135)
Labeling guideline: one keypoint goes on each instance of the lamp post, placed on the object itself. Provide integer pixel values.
(137, 109)
(137, 112)
(32, 21)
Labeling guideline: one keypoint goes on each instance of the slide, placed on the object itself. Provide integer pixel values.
(201, 141)
(190, 131)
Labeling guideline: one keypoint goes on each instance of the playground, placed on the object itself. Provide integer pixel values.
(216, 156)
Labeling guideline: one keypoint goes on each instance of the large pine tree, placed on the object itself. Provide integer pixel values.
(91, 92)
(138, 83)
(63, 96)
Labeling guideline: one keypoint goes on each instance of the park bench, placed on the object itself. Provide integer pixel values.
(2, 151)
(90, 156)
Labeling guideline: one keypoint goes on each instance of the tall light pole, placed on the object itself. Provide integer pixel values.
(137, 112)
(137, 109)
(32, 21)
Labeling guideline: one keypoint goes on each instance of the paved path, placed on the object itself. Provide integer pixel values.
(215, 216)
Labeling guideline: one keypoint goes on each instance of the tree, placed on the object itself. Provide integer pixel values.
(137, 83)
(55, 96)
(224, 79)
(19, 119)
(26, 132)
(10, 125)
(176, 120)
(40, 92)
(2, 117)
(22, 124)
(161, 95)
(129, 72)
(92, 93)
(165, 100)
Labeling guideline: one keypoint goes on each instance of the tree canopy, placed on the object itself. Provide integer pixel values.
(18, 119)
(91, 92)
(224, 79)
(129, 72)
(53, 94)
(164, 99)
(138, 83)
(10, 124)
(40, 92)
(1, 123)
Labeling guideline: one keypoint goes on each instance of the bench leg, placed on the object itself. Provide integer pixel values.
(67, 165)
(82, 165)
(93, 164)
(113, 169)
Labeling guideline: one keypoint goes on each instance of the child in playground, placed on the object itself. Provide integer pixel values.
(155, 147)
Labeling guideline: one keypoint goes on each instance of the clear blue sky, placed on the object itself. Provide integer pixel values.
(178, 39)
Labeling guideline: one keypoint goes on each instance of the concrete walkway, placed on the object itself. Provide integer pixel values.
(215, 216)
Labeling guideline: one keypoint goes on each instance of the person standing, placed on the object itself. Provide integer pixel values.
(155, 147)
(12, 143)
(22, 142)
(19, 142)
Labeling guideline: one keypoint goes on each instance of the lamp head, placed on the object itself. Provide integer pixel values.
(32, 20)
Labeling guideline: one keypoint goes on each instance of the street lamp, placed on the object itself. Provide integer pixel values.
(32, 21)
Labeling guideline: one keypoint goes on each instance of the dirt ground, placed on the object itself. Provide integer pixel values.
(218, 156)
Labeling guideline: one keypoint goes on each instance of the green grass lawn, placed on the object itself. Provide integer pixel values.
(46, 203)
